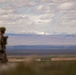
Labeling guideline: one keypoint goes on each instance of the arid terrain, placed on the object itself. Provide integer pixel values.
(39, 65)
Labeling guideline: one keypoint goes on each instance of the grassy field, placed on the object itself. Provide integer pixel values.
(32, 67)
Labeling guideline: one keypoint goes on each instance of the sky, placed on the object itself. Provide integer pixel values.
(41, 40)
(44, 17)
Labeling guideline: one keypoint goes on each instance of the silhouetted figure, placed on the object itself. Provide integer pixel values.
(3, 42)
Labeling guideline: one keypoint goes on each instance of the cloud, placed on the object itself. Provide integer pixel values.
(44, 9)
(40, 33)
(69, 16)
(63, 1)
(66, 6)
(35, 32)
(71, 23)
(21, 3)
(38, 16)
(47, 16)
(46, 1)
(12, 16)
(2, 1)
(40, 7)
(4, 11)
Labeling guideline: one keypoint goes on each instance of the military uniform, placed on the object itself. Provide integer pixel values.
(3, 42)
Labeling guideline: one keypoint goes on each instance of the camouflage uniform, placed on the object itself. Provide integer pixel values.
(3, 43)
(0, 42)
(0, 48)
(1, 53)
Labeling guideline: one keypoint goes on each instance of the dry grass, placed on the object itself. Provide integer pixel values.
(33, 65)
(40, 68)
(63, 59)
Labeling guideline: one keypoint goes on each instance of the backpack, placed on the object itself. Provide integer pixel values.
(4, 40)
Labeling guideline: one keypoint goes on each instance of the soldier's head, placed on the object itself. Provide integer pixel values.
(2, 30)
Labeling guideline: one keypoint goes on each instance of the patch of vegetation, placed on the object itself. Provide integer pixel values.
(43, 68)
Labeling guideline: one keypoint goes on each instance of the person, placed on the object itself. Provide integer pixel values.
(3, 42)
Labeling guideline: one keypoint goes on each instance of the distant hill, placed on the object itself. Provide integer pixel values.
(40, 50)
(19, 47)
(32, 34)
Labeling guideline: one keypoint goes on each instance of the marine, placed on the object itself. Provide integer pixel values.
(3, 42)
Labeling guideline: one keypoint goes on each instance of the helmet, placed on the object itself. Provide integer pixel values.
(2, 29)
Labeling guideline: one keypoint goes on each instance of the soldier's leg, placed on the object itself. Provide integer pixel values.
(2, 58)
(5, 56)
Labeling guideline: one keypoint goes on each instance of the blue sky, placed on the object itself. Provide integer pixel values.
(44, 17)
